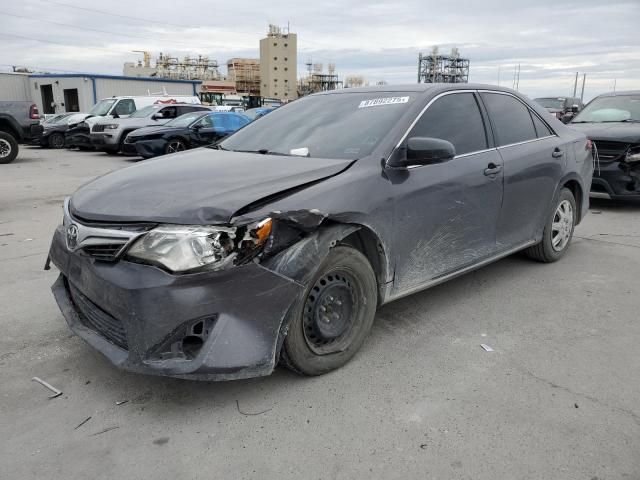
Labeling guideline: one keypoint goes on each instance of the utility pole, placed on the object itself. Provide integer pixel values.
(518, 81)
(575, 86)
(584, 79)
(614, 84)
(498, 75)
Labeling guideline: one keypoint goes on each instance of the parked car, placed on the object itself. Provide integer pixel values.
(563, 108)
(280, 241)
(255, 113)
(612, 122)
(53, 131)
(190, 130)
(19, 123)
(79, 135)
(109, 134)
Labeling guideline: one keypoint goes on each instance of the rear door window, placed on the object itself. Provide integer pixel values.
(456, 118)
(541, 128)
(510, 118)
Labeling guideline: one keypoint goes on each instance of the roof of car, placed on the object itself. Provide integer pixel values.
(622, 93)
(418, 87)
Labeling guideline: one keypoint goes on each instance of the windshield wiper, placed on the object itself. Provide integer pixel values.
(265, 151)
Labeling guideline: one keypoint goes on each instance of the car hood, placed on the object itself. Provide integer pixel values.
(201, 186)
(144, 131)
(609, 131)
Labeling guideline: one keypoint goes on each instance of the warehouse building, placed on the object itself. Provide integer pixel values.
(278, 64)
(73, 92)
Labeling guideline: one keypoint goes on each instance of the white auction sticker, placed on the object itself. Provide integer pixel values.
(375, 102)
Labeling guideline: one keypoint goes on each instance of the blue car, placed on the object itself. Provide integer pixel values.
(191, 130)
(255, 113)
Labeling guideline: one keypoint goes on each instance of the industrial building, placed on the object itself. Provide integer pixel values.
(168, 66)
(73, 92)
(437, 68)
(318, 81)
(278, 64)
(245, 73)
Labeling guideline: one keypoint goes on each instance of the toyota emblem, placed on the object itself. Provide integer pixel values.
(72, 236)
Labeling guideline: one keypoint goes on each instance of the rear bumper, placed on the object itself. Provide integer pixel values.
(138, 315)
(616, 182)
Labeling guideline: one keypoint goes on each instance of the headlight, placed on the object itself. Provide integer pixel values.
(186, 248)
(111, 126)
(633, 155)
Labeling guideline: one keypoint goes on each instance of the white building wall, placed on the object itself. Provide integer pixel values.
(109, 87)
(104, 88)
(14, 87)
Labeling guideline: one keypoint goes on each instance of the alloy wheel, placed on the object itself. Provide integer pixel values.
(562, 226)
(175, 146)
(5, 148)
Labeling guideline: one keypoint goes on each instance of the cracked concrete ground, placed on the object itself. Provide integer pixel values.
(559, 398)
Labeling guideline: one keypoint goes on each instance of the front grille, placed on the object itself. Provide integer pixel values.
(107, 252)
(611, 151)
(98, 128)
(96, 319)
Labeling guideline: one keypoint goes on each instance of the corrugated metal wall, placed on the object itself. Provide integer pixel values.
(14, 86)
(104, 88)
(108, 87)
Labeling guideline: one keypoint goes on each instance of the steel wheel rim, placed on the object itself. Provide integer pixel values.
(562, 226)
(5, 148)
(175, 147)
(329, 312)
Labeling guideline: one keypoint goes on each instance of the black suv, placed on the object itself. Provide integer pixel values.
(19, 123)
(612, 122)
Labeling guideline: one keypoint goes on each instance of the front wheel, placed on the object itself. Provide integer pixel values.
(558, 230)
(56, 140)
(8, 148)
(174, 146)
(330, 322)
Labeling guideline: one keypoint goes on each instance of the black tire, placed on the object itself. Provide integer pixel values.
(175, 145)
(8, 148)
(318, 340)
(111, 152)
(56, 140)
(545, 251)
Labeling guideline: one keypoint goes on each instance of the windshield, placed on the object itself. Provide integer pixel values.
(184, 120)
(619, 108)
(551, 102)
(144, 112)
(57, 119)
(101, 108)
(340, 126)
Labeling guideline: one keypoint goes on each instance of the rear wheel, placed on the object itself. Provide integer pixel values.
(330, 323)
(8, 148)
(558, 231)
(56, 140)
(175, 145)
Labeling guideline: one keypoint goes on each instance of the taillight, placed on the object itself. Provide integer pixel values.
(33, 112)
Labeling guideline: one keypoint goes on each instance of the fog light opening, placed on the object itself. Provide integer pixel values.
(191, 346)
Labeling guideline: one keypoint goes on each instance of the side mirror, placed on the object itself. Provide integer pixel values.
(156, 116)
(196, 127)
(423, 151)
(575, 108)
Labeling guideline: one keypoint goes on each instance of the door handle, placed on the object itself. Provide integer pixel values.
(492, 169)
(557, 153)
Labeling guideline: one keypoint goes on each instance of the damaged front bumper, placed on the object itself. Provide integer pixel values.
(616, 181)
(206, 326)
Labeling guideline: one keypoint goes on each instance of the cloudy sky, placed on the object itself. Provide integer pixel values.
(551, 39)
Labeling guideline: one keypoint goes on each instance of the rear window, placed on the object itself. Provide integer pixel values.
(510, 118)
